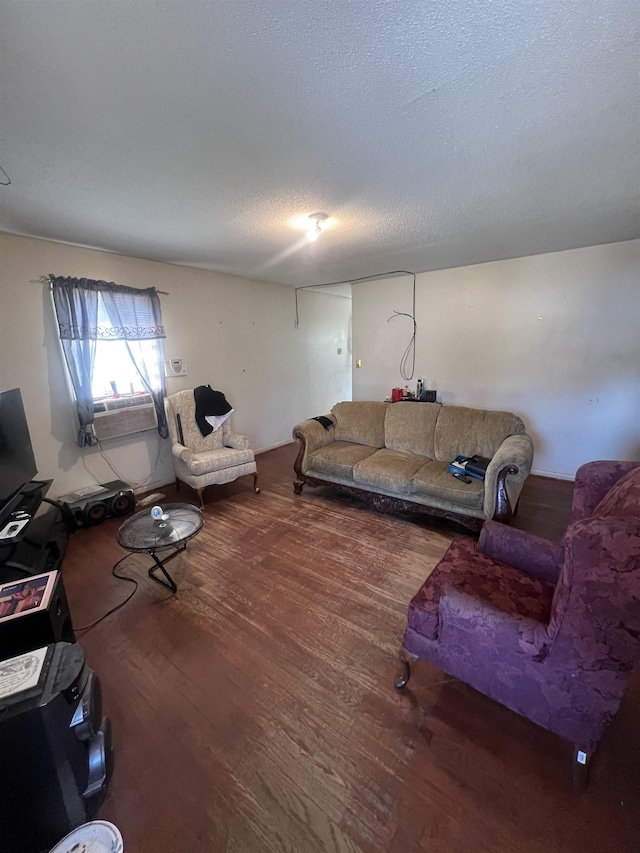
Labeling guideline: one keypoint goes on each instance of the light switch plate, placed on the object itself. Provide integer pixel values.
(175, 367)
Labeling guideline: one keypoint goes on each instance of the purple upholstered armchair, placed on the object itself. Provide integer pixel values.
(552, 631)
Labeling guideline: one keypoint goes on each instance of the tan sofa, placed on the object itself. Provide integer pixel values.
(396, 454)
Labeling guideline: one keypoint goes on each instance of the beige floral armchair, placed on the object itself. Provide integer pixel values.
(220, 457)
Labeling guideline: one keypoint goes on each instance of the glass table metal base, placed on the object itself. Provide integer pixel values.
(160, 566)
(146, 534)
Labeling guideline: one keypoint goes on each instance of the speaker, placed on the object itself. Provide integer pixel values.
(87, 507)
(48, 622)
(56, 753)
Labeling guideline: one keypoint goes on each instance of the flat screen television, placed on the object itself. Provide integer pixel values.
(17, 462)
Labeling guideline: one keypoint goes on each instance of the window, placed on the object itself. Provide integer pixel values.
(112, 339)
(114, 373)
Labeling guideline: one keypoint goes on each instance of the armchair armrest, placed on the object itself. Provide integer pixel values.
(603, 562)
(506, 473)
(593, 481)
(524, 551)
(483, 620)
(181, 452)
(236, 441)
(608, 548)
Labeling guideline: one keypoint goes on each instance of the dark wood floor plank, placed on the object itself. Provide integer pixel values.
(254, 710)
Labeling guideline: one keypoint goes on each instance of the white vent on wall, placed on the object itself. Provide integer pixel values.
(123, 416)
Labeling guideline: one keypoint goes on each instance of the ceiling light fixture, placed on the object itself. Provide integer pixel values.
(316, 224)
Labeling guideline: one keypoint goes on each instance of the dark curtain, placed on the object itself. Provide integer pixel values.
(134, 315)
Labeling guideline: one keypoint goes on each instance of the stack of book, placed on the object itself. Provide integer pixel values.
(471, 466)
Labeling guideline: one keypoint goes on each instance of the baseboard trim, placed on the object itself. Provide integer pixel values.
(153, 487)
(157, 485)
(274, 446)
(553, 475)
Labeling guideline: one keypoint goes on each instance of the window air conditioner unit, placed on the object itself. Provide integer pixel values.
(123, 416)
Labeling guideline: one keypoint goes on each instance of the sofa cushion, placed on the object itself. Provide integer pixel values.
(463, 431)
(338, 458)
(361, 422)
(432, 480)
(388, 470)
(409, 427)
(496, 584)
(623, 498)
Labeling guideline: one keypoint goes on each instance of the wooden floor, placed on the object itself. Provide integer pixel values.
(255, 711)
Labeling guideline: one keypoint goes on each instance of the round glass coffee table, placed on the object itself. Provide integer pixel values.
(144, 533)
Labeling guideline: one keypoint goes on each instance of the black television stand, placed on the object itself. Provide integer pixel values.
(40, 542)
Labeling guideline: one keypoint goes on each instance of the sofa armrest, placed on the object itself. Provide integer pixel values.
(524, 551)
(236, 441)
(312, 435)
(593, 481)
(181, 452)
(506, 473)
(477, 618)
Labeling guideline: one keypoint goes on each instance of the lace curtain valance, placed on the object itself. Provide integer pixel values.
(133, 314)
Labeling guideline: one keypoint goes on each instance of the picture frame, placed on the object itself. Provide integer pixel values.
(28, 595)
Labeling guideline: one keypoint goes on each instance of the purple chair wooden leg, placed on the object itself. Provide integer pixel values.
(581, 761)
(406, 659)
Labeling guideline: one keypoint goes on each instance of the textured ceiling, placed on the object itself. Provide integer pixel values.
(434, 134)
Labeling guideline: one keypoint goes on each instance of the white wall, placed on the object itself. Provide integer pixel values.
(236, 334)
(554, 338)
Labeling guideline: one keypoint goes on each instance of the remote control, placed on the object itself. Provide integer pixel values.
(462, 477)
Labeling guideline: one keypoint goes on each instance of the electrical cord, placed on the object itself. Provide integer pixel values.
(410, 352)
(80, 632)
(408, 360)
(118, 475)
(355, 281)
